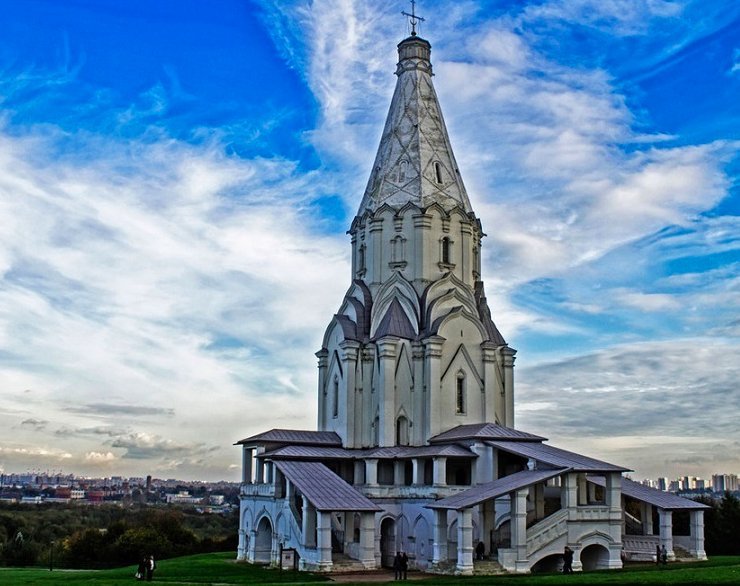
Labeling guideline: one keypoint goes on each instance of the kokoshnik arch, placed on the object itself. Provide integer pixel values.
(416, 448)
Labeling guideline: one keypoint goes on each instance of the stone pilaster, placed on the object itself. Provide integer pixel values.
(387, 391)
(350, 350)
(433, 358)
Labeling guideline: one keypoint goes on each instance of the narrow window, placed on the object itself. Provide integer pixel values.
(361, 260)
(438, 171)
(460, 395)
(335, 397)
(446, 250)
(402, 431)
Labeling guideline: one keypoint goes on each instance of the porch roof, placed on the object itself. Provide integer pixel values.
(324, 490)
(491, 490)
(553, 456)
(386, 453)
(484, 431)
(294, 436)
(663, 500)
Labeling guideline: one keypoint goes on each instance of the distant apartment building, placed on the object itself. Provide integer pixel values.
(724, 482)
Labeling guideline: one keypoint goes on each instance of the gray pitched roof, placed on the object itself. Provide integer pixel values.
(485, 431)
(294, 436)
(556, 457)
(325, 490)
(395, 322)
(658, 498)
(491, 490)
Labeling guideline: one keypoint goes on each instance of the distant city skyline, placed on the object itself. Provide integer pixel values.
(176, 180)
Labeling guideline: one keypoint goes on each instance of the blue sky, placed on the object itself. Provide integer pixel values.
(176, 179)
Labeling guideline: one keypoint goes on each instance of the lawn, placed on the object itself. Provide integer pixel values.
(220, 568)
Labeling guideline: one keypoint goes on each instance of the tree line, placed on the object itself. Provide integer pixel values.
(107, 536)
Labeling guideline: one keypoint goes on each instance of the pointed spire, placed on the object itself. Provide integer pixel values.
(415, 162)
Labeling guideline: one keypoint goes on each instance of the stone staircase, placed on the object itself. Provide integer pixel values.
(344, 564)
(487, 568)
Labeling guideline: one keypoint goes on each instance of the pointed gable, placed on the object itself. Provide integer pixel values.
(396, 323)
(415, 162)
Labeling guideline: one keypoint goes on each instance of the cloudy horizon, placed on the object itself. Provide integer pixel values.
(176, 181)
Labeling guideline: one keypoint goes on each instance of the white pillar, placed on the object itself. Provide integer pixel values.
(666, 532)
(614, 491)
(323, 539)
(417, 477)
(399, 472)
(433, 358)
(350, 351)
(440, 471)
(367, 540)
(582, 496)
(323, 356)
(519, 528)
(251, 545)
(568, 490)
(247, 465)
(465, 542)
(697, 535)
(371, 472)
(439, 549)
(647, 518)
(508, 355)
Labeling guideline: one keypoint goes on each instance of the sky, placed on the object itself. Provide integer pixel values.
(177, 178)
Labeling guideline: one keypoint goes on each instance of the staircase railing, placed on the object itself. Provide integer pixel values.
(547, 531)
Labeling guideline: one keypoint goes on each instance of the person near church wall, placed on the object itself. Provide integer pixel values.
(567, 560)
(480, 549)
(397, 566)
(150, 567)
(141, 569)
(663, 555)
(404, 566)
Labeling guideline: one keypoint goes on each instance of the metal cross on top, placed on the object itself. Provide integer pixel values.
(413, 19)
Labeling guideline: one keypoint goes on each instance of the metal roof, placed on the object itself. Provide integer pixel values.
(557, 457)
(658, 498)
(294, 436)
(388, 453)
(494, 489)
(395, 322)
(324, 490)
(485, 431)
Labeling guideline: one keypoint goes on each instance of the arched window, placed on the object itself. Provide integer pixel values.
(335, 398)
(402, 431)
(438, 171)
(398, 245)
(402, 167)
(446, 249)
(460, 394)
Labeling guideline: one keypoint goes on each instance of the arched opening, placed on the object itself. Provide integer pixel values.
(421, 537)
(402, 431)
(595, 557)
(263, 542)
(550, 563)
(387, 542)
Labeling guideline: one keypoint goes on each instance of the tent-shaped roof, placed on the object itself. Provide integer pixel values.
(485, 431)
(294, 436)
(556, 457)
(658, 498)
(497, 488)
(325, 490)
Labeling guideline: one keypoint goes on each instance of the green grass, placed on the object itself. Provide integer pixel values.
(220, 568)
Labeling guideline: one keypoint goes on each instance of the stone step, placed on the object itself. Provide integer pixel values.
(487, 568)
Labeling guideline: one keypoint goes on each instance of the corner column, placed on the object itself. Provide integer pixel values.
(350, 350)
(439, 477)
(439, 549)
(697, 535)
(508, 356)
(323, 356)
(666, 532)
(323, 538)
(465, 542)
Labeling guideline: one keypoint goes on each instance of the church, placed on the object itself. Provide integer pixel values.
(416, 448)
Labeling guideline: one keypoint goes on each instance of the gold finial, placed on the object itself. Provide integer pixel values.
(413, 19)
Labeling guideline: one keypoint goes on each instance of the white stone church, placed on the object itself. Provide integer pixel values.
(416, 448)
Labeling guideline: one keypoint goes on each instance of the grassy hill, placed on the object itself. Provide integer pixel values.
(220, 568)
